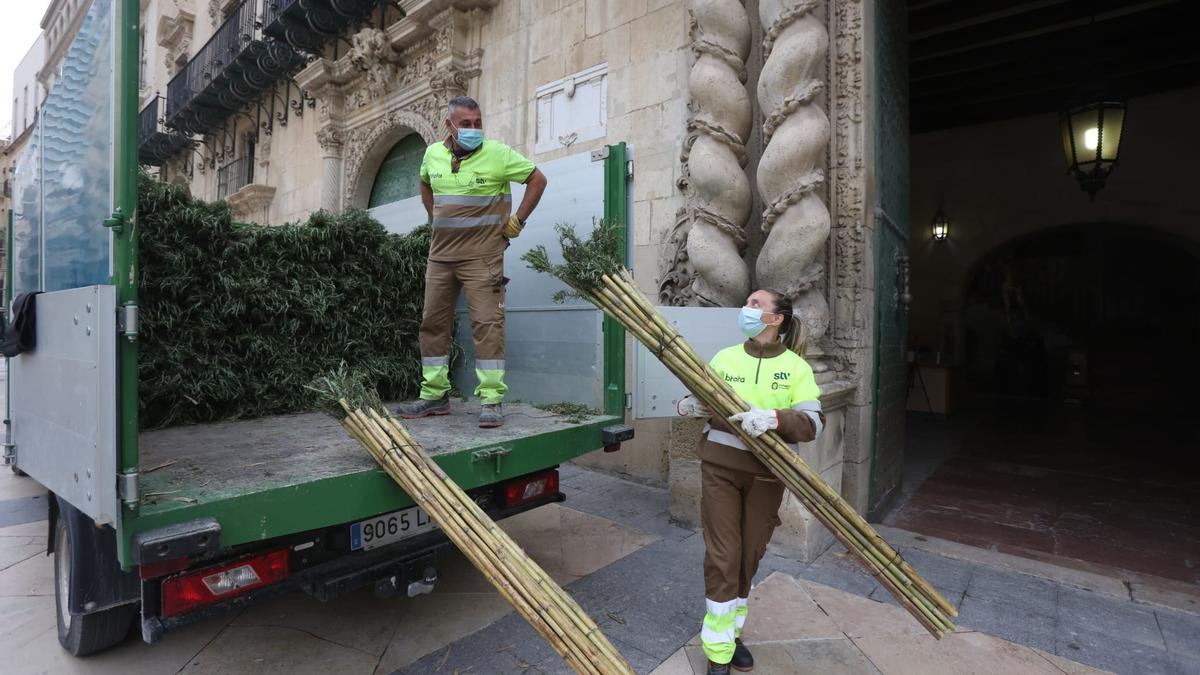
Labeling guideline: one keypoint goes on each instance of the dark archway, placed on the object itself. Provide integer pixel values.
(1097, 313)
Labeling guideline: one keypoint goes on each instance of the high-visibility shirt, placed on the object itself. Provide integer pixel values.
(779, 382)
(472, 198)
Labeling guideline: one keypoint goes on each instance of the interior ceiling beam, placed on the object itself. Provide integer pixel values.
(1065, 19)
(969, 15)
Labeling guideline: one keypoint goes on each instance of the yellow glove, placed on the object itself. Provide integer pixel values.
(513, 227)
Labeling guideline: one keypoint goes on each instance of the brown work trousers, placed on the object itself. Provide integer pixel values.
(483, 283)
(739, 511)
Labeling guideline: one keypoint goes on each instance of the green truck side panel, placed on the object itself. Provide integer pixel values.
(616, 207)
(125, 241)
(276, 512)
(889, 376)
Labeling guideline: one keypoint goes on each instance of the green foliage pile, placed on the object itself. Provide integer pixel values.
(237, 320)
(585, 262)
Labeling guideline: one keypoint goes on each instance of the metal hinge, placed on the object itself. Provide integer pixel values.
(629, 169)
(10, 453)
(116, 221)
(493, 453)
(127, 487)
(127, 322)
(629, 401)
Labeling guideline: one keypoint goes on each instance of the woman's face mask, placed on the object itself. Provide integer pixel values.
(750, 321)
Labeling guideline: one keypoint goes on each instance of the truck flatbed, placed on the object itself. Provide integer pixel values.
(276, 475)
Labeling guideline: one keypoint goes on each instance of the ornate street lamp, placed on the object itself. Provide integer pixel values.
(1091, 141)
(941, 226)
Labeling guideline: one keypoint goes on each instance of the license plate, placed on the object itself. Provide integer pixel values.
(389, 528)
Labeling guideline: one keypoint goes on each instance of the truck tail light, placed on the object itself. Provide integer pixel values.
(528, 489)
(190, 591)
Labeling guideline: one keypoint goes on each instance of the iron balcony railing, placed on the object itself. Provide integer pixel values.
(233, 37)
(234, 176)
(308, 25)
(157, 143)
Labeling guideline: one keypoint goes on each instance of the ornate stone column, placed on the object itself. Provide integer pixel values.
(704, 262)
(791, 170)
(330, 139)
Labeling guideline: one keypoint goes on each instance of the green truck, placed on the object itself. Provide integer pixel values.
(172, 525)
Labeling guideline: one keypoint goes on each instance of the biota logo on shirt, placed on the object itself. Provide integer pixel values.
(734, 378)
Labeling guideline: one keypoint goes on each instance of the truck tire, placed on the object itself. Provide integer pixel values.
(85, 633)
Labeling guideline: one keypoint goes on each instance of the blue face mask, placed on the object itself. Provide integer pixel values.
(469, 139)
(750, 321)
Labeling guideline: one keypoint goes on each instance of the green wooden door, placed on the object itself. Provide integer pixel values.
(399, 176)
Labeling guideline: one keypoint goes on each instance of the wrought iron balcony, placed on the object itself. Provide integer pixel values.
(233, 69)
(157, 143)
(309, 25)
(234, 176)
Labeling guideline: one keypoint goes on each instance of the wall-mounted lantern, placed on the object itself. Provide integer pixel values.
(1091, 140)
(941, 226)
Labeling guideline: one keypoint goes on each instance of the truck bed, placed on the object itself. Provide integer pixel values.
(276, 475)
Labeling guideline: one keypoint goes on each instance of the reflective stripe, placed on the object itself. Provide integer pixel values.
(470, 200)
(712, 637)
(489, 364)
(435, 360)
(720, 608)
(463, 222)
(813, 410)
(743, 609)
(725, 438)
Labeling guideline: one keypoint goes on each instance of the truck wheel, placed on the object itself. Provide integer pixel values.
(86, 633)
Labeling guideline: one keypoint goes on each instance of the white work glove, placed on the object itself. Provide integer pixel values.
(690, 406)
(757, 421)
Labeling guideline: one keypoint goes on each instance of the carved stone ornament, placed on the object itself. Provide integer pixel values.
(251, 202)
(175, 37)
(330, 139)
(791, 174)
(363, 140)
(702, 261)
(851, 302)
(371, 51)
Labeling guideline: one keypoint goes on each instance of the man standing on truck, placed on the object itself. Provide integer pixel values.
(466, 188)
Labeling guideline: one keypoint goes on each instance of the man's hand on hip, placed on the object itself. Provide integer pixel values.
(513, 227)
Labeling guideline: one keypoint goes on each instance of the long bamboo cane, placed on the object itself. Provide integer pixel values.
(620, 298)
(532, 592)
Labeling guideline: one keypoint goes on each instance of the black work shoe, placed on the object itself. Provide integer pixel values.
(743, 660)
(412, 410)
(491, 416)
(718, 668)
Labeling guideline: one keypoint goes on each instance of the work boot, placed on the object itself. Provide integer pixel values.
(718, 668)
(743, 660)
(411, 410)
(491, 416)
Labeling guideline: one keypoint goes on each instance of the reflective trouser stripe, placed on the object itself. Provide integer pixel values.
(435, 379)
(719, 630)
(743, 609)
(491, 387)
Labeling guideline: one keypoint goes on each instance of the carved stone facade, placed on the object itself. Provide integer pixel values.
(175, 37)
(390, 84)
(703, 257)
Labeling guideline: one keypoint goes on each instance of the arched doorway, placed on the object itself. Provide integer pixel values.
(1075, 438)
(399, 174)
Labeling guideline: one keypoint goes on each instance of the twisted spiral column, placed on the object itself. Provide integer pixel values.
(710, 229)
(790, 172)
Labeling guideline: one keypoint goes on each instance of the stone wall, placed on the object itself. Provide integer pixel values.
(1002, 181)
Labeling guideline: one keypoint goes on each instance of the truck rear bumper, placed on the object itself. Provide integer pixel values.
(396, 569)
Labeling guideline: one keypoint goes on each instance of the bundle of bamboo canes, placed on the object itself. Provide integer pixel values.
(618, 297)
(551, 612)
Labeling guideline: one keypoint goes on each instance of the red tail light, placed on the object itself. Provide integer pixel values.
(528, 489)
(203, 587)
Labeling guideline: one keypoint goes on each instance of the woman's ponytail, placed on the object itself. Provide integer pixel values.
(792, 332)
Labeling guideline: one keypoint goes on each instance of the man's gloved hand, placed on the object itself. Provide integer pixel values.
(690, 406)
(757, 421)
(513, 227)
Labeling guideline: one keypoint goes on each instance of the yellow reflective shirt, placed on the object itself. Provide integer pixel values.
(472, 198)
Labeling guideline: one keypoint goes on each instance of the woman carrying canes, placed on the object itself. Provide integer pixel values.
(739, 496)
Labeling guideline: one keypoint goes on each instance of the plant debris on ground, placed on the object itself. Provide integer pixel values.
(236, 320)
(575, 413)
